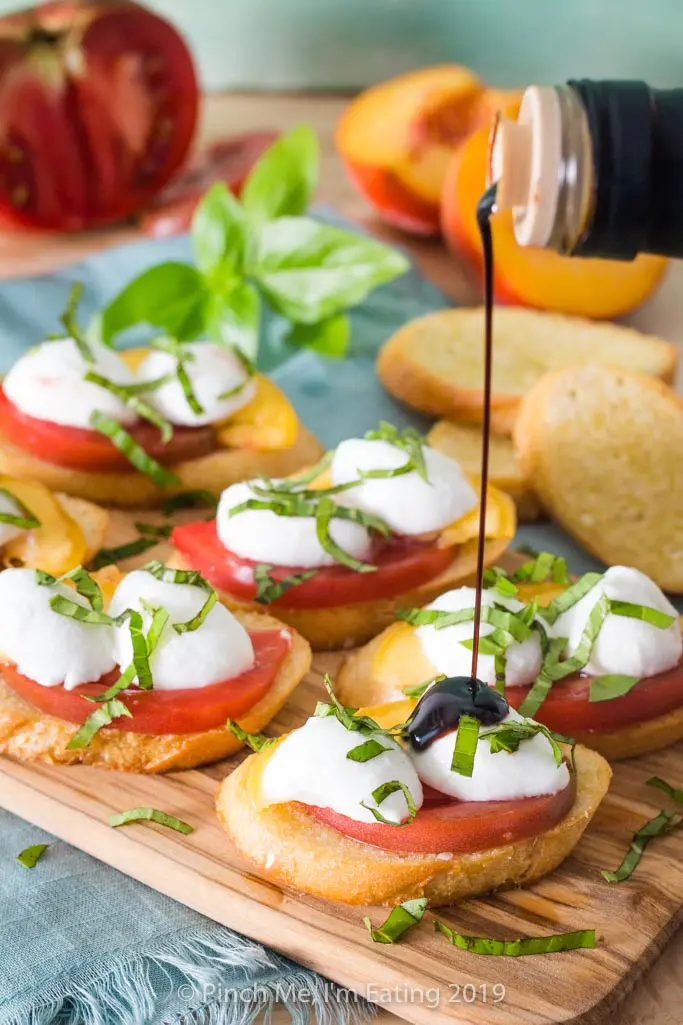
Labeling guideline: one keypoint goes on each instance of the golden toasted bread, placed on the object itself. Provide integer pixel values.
(345, 626)
(294, 849)
(28, 734)
(132, 490)
(435, 363)
(463, 443)
(603, 447)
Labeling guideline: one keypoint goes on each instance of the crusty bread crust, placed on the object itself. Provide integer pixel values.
(345, 626)
(132, 490)
(294, 849)
(29, 735)
(434, 363)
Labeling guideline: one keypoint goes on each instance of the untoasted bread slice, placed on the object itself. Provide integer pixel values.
(435, 363)
(132, 490)
(463, 442)
(28, 734)
(294, 849)
(603, 447)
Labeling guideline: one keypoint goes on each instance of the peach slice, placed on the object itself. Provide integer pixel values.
(540, 278)
(397, 140)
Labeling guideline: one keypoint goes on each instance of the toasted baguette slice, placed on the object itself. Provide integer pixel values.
(435, 363)
(29, 735)
(132, 490)
(603, 447)
(294, 849)
(345, 626)
(463, 443)
(92, 519)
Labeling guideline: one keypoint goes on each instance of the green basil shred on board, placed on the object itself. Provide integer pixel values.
(124, 818)
(582, 939)
(663, 823)
(401, 918)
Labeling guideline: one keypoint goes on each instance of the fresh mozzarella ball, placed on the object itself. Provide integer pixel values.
(408, 504)
(7, 530)
(213, 370)
(443, 649)
(219, 649)
(262, 535)
(505, 776)
(310, 765)
(48, 383)
(45, 645)
(626, 646)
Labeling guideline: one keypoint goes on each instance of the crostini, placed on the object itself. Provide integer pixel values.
(47, 531)
(129, 429)
(464, 798)
(601, 662)
(383, 521)
(137, 673)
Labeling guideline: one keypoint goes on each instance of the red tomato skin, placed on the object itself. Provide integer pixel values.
(81, 449)
(88, 147)
(458, 827)
(403, 564)
(159, 712)
(567, 708)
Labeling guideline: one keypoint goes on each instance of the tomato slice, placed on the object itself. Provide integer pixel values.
(443, 824)
(166, 711)
(568, 709)
(401, 565)
(81, 449)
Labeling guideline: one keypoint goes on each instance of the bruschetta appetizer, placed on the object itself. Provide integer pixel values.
(131, 428)
(137, 673)
(465, 797)
(383, 521)
(601, 662)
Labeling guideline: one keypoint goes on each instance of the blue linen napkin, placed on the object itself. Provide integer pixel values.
(80, 943)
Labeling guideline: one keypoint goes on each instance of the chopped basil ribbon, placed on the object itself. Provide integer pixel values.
(348, 717)
(380, 794)
(174, 348)
(507, 736)
(160, 618)
(508, 625)
(189, 500)
(24, 518)
(70, 324)
(66, 607)
(194, 579)
(661, 784)
(124, 681)
(543, 567)
(30, 856)
(661, 620)
(582, 939)
(231, 392)
(198, 619)
(134, 453)
(662, 824)
(325, 513)
(188, 391)
(140, 653)
(269, 590)
(256, 741)
(466, 739)
(108, 556)
(611, 686)
(150, 815)
(302, 479)
(420, 688)
(401, 918)
(84, 584)
(366, 751)
(130, 399)
(409, 441)
(158, 532)
(570, 597)
(102, 716)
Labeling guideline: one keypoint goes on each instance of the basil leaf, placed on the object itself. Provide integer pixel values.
(366, 751)
(663, 823)
(169, 296)
(136, 456)
(465, 748)
(310, 271)
(401, 918)
(611, 686)
(150, 815)
(380, 794)
(328, 338)
(256, 741)
(269, 590)
(661, 784)
(282, 181)
(218, 232)
(30, 856)
(233, 318)
(102, 716)
(579, 940)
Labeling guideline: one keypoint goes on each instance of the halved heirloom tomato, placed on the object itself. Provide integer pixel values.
(159, 712)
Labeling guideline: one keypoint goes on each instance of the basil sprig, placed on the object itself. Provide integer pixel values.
(261, 248)
(401, 918)
(24, 518)
(581, 939)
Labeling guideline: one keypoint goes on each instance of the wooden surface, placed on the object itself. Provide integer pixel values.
(658, 995)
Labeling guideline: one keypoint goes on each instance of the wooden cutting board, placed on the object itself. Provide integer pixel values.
(423, 978)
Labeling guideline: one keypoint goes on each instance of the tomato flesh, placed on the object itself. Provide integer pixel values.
(82, 449)
(445, 825)
(401, 565)
(159, 712)
(568, 709)
(101, 105)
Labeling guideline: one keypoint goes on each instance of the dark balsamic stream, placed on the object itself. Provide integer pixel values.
(440, 709)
